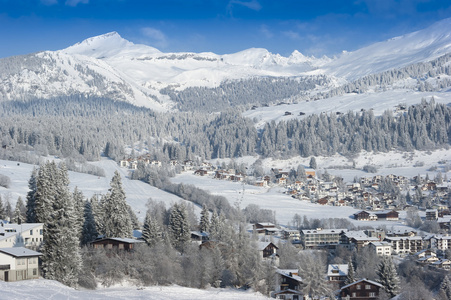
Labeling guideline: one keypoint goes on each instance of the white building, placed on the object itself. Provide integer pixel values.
(381, 248)
(441, 242)
(27, 234)
(18, 263)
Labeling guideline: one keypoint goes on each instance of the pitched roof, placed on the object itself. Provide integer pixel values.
(363, 280)
(290, 273)
(123, 240)
(8, 230)
(262, 245)
(337, 270)
(19, 252)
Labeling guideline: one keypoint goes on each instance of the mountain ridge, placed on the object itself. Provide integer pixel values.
(111, 66)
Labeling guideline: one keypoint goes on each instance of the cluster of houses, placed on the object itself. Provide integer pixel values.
(186, 165)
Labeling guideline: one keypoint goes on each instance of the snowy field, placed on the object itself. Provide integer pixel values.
(137, 192)
(379, 102)
(46, 289)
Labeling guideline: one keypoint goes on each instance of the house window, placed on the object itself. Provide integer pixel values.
(367, 287)
(354, 294)
(35, 272)
(31, 232)
(282, 297)
(359, 287)
(372, 294)
(40, 231)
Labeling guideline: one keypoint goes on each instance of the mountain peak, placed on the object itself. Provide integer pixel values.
(108, 45)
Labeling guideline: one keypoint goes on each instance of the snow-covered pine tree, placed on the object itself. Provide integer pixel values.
(204, 224)
(178, 226)
(151, 233)
(388, 277)
(350, 278)
(312, 163)
(61, 259)
(214, 226)
(2, 209)
(133, 218)
(31, 199)
(79, 208)
(89, 230)
(445, 287)
(19, 216)
(116, 218)
(45, 192)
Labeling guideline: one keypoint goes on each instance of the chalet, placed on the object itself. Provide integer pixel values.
(310, 172)
(337, 273)
(362, 289)
(199, 236)
(431, 214)
(356, 239)
(288, 285)
(267, 249)
(365, 216)
(265, 228)
(18, 263)
(444, 264)
(261, 183)
(29, 235)
(391, 215)
(115, 243)
(201, 172)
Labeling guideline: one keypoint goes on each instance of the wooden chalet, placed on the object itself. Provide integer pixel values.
(362, 289)
(288, 285)
(115, 243)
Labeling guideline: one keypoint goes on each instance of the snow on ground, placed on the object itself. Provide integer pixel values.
(47, 289)
(379, 102)
(137, 192)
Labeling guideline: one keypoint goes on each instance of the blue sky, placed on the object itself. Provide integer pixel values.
(313, 27)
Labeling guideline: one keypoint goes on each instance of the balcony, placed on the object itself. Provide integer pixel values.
(5, 267)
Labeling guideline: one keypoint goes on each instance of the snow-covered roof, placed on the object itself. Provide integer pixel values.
(380, 244)
(401, 238)
(363, 280)
(360, 235)
(10, 230)
(290, 273)
(337, 270)
(262, 245)
(323, 231)
(19, 252)
(199, 233)
(123, 240)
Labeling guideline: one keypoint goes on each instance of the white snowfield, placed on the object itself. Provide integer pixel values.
(47, 289)
(137, 192)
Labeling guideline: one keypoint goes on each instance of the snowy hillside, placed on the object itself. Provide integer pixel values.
(48, 289)
(110, 66)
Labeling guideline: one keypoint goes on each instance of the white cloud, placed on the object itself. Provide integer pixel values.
(76, 2)
(157, 37)
(292, 35)
(266, 32)
(253, 4)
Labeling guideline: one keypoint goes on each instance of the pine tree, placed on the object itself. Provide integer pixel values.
(19, 217)
(89, 230)
(79, 208)
(61, 257)
(178, 226)
(31, 198)
(445, 287)
(8, 210)
(2, 210)
(133, 218)
(214, 226)
(350, 278)
(151, 230)
(312, 163)
(388, 277)
(204, 224)
(116, 217)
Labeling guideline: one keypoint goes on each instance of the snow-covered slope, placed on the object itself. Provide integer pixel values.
(419, 46)
(110, 66)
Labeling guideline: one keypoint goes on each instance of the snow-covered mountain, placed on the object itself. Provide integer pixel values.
(110, 66)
